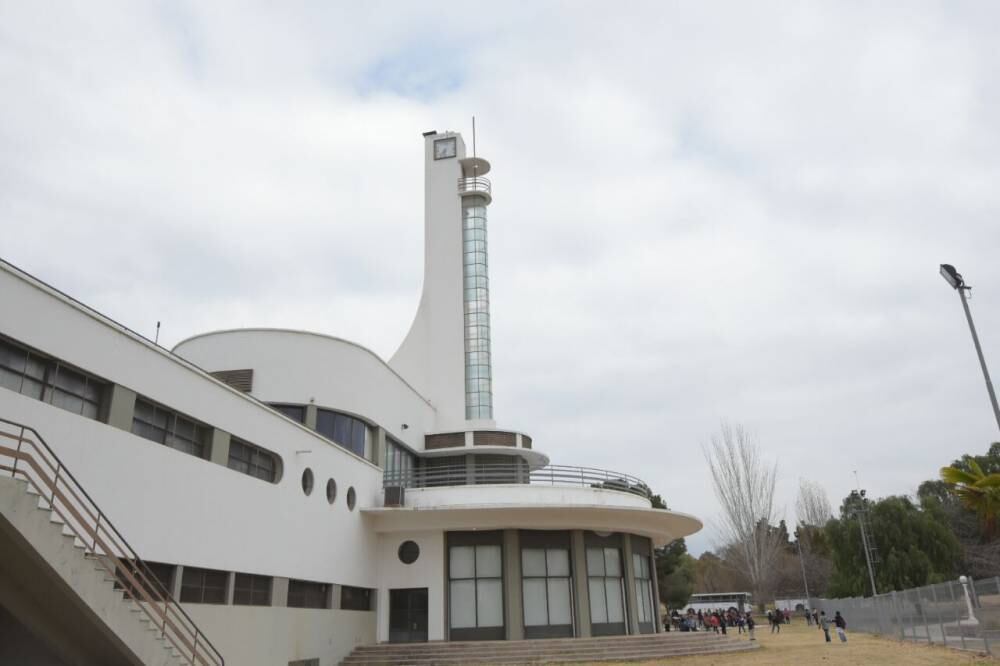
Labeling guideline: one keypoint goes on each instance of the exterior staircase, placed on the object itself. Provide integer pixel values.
(71, 579)
(548, 651)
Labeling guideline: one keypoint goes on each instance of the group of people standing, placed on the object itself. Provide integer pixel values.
(718, 620)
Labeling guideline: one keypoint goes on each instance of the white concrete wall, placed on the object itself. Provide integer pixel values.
(268, 636)
(427, 571)
(300, 367)
(432, 357)
(174, 507)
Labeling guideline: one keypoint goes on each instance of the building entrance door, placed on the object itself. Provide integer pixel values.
(408, 615)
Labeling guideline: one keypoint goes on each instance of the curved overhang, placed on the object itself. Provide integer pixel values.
(660, 525)
(535, 459)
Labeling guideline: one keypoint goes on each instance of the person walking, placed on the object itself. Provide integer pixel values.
(750, 625)
(841, 624)
(824, 624)
(776, 621)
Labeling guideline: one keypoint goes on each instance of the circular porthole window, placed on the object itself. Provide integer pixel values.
(331, 491)
(408, 552)
(351, 498)
(307, 481)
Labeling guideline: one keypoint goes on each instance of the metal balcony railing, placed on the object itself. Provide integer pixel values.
(474, 185)
(32, 460)
(516, 471)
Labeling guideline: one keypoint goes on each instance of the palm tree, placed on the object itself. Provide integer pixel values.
(978, 491)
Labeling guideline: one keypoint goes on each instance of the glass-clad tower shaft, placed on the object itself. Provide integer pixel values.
(478, 375)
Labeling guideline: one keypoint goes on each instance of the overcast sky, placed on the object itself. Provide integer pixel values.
(702, 211)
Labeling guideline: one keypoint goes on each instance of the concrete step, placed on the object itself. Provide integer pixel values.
(622, 648)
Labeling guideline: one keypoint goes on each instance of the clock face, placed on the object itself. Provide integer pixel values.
(444, 148)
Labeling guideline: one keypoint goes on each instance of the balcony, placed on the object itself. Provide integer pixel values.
(477, 186)
(515, 472)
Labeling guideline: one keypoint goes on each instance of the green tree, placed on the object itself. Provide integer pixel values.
(914, 544)
(675, 574)
(977, 490)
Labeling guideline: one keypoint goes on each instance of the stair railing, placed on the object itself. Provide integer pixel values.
(25, 454)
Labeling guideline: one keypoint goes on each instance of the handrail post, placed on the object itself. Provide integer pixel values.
(52, 497)
(20, 440)
(97, 528)
(194, 649)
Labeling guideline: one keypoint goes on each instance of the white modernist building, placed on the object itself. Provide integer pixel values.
(297, 495)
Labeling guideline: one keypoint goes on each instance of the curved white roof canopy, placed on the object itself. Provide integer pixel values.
(660, 525)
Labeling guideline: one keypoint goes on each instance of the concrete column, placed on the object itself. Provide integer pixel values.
(333, 601)
(175, 586)
(230, 588)
(470, 470)
(120, 406)
(581, 596)
(631, 607)
(219, 448)
(311, 412)
(279, 592)
(378, 447)
(513, 606)
(656, 588)
(446, 606)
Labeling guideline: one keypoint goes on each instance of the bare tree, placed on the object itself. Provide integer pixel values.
(744, 486)
(812, 506)
(812, 512)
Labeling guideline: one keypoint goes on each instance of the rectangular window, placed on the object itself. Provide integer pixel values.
(304, 594)
(42, 378)
(163, 426)
(294, 412)
(643, 588)
(251, 590)
(546, 582)
(476, 586)
(156, 576)
(251, 460)
(203, 586)
(347, 431)
(604, 582)
(355, 598)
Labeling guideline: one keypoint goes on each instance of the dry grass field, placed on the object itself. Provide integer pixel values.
(800, 645)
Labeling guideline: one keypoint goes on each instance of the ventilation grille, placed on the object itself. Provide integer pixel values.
(241, 380)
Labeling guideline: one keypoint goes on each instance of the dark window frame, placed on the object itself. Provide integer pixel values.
(355, 598)
(170, 428)
(252, 590)
(308, 594)
(252, 460)
(204, 586)
(48, 376)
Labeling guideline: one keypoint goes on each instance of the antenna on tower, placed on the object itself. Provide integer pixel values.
(473, 136)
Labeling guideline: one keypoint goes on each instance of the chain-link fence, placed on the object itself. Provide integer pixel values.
(962, 614)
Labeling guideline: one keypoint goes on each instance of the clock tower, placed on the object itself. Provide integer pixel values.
(447, 353)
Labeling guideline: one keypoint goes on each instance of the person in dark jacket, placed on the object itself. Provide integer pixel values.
(841, 624)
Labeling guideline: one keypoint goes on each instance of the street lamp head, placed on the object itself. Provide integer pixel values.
(951, 276)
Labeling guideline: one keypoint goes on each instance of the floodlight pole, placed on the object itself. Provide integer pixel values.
(805, 581)
(979, 351)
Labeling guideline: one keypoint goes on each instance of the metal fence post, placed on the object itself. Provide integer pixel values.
(958, 612)
(937, 607)
(979, 606)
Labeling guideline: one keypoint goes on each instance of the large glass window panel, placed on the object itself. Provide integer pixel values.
(463, 604)
(489, 602)
(535, 613)
(488, 561)
(560, 606)
(613, 590)
(612, 562)
(462, 562)
(533, 562)
(598, 604)
(557, 560)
